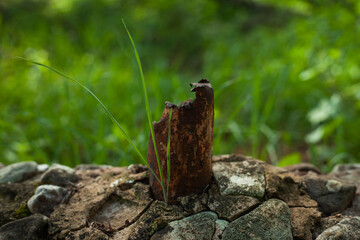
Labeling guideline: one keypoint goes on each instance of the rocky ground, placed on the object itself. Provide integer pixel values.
(247, 199)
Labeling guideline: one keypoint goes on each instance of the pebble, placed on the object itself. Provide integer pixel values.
(18, 172)
(59, 175)
(42, 167)
(46, 198)
(332, 195)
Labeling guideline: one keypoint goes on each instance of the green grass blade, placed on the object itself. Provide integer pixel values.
(103, 106)
(168, 155)
(147, 105)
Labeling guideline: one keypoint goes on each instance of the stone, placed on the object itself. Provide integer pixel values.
(287, 187)
(59, 175)
(116, 203)
(325, 223)
(231, 207)
(198, 226)
(303, 221)
(349, 173)
(120, 208)
(220, 226)
(92, 171)
(42, 167)
(84, 167)
(354, 210)
(96, 203)
(46, 198)
(240, 178)
(33, 227)
(193, 203)
(231, 158)
(348, 228)
(18, 172)
(137, 168)
(128, 182)
(152, 220)
(345, 167)
(270, 221)
(88, 233)
(332, 195)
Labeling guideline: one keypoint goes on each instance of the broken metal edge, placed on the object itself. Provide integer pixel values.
(186, 104)
(202, 83)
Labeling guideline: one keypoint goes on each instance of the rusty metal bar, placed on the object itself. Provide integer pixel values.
(191, 144)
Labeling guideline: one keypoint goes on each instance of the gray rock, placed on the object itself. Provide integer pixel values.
(42, 167)
(231, 158)
(198, 226)
(59, 175)
(240, 178)
(193, 203)
(348, 228)
(303, 221)
(18, 172)
(122, 207)
(325, 223)
(332, 195)
(349, 173)
(95, 203)
(84, 167)
(287, 187)
(137, 168)
(271, 220)
(33, 227)
(220, 226)
(154, 219)
(46, 198)
(231, 207)
(354, 210)
(345, 167)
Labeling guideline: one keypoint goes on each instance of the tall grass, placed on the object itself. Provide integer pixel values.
(148, 112)
(298, 60)
(112, 118)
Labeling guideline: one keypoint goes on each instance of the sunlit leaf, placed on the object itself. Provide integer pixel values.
(324, 110)
(290, 159)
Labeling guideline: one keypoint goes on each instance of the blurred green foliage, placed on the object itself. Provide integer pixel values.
(285, 74)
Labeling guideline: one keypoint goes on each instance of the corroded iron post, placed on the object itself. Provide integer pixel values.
(191, 144)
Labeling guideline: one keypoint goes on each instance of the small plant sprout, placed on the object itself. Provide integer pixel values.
(108, 113)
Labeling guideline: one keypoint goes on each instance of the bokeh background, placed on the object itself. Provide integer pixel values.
(285, 74)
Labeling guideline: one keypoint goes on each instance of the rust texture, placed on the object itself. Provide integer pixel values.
(191, 144)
